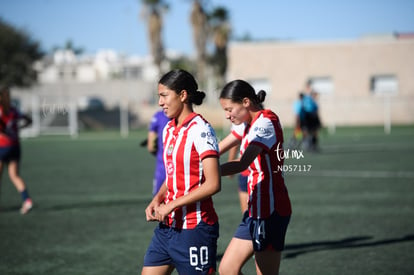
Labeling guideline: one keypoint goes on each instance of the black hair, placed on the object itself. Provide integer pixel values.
(237, 90)
(178, 80)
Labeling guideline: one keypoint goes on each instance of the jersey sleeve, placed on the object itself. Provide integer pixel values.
(262, 133)
(238, 130)
(206, 143)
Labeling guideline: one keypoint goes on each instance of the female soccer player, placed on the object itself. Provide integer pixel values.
(263, 228)
(10, 145)
(186, 237)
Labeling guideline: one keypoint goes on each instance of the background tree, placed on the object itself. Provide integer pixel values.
(70, 47)
(219, 22)
(199, 23)
(153, 10)
(18, 52)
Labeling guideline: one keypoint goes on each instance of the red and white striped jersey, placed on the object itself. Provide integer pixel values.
(9, 127)
(266, 185)
(184, 149)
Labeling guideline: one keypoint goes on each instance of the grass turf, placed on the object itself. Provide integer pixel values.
(353, 212)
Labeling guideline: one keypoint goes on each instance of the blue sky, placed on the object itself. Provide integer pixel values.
(115, 24)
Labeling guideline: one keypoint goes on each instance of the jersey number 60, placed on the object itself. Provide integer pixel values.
(198, 257)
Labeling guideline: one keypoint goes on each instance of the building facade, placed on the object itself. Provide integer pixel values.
(369, 81)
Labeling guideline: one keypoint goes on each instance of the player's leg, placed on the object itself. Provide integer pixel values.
(18, 182)
(267, 262)
(4, 152)
(239, 250)
(157, 270)
(1, 173)
(157, 259)
(194, 251)
(237, 253)
(15, 177)
(268, 242)
(1, 170)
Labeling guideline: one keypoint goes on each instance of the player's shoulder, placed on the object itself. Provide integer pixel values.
(265, 117)
(199, 122)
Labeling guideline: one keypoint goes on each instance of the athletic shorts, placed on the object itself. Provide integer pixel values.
(242, 183)
(190, 251)
(264, 233)
(10, 153)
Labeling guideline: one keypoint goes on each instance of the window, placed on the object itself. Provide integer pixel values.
(384, 84)
(322, 85)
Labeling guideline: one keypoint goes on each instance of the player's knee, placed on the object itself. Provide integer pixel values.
(228, 269)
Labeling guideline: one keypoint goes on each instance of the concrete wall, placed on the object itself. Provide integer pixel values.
(350, 65)
(286, 67)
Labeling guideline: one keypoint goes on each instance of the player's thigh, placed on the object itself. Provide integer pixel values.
(267, 262)
(237, 253)
(157, 270)
(194, 251)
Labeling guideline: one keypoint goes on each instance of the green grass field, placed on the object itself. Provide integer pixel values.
(353, 212)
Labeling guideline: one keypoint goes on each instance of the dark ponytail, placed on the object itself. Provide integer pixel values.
(178, 80)
(237, 90)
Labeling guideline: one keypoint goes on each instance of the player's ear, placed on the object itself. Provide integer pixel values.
(183, 95)
(246, 102)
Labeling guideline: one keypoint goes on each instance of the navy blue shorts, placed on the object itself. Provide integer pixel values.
(190, 251)
(242, 183)
(264, 233)
(10, 153)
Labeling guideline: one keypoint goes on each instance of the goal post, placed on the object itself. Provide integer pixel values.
(52, 115)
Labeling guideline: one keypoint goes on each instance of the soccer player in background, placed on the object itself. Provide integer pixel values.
(155, 147)
(10, 149)
(187, 233)
(263, 228)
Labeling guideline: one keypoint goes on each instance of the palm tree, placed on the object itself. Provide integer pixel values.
(199, 23)
(153, 15)
(219, 21)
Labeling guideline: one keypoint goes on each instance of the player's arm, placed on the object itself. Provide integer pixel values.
(233, 152)
(26, 121)
(237, 166)
(227, 143)
(155, 203)
(211, 186)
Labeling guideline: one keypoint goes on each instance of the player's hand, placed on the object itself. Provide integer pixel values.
(151, 210)
(162, 212)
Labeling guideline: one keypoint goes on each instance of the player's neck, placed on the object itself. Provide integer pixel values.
(183, 115)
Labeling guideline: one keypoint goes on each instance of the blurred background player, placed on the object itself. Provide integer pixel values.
(155, 147)
(186, 236)
(311, 121)
(10, 150)
(299, 132)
